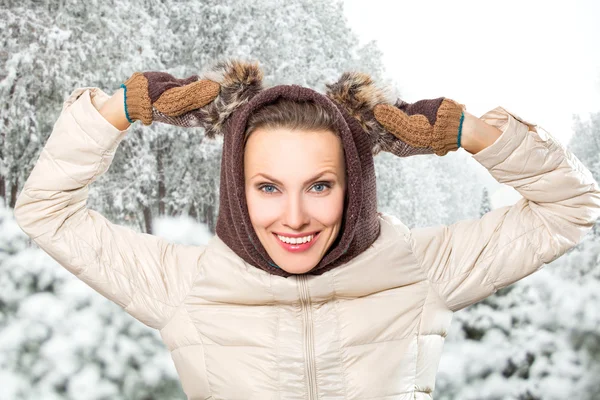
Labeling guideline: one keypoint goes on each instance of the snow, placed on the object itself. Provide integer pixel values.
(60, 340)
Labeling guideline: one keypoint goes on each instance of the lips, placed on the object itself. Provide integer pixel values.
(298, 247)
(296, 235)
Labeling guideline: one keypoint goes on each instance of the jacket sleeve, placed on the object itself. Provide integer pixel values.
(470, 260)
(142, 273)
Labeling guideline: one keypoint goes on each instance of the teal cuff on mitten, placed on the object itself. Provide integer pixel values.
(125, 103)
(462, 117)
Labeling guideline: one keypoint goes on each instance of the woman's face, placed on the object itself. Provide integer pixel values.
(295, 185)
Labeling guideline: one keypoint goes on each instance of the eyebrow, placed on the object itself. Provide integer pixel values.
(314, 178)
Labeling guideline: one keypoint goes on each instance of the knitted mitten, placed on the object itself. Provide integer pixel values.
(158, 96)
(426, 124)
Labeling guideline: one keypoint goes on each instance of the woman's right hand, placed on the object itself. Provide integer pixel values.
(159, 96)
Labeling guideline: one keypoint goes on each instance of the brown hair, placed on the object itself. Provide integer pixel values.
(285, 113)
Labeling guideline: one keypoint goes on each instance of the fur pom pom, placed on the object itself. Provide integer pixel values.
(358, 94)
(240, 81)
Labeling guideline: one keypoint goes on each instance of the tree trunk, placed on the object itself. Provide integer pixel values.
(162, 191)
(192, 212)
(3, 189)
(147, 211)
(13, 193)
(209, 217)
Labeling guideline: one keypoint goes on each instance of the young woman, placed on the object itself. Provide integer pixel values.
(306, 291)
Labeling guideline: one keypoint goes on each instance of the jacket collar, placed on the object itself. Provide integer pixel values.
(376, 269)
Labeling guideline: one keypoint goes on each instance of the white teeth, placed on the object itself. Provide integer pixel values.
(288, 240)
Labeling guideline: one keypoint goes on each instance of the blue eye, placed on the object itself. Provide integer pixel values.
(324, 185)
(320, 187)
(262, 188)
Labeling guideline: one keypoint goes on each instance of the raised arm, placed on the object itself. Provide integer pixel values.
(144, 274)
(471, 259)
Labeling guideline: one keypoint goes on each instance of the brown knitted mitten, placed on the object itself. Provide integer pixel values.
(433, 124)
(159, 96)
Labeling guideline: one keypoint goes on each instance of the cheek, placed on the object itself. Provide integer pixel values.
(328, 210)
(263, 212)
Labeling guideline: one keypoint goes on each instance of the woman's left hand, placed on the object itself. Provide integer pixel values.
(435, 124)
(441, 124)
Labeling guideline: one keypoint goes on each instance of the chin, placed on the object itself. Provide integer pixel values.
(295, 262)
(297, 269)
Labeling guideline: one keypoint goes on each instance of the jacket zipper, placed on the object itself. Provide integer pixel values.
(309, 345)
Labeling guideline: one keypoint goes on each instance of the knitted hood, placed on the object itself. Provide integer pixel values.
(350, 101)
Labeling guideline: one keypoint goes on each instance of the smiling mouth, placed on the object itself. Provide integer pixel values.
(297, 244)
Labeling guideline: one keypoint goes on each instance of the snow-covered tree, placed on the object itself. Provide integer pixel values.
(585, 144)
(426, 190)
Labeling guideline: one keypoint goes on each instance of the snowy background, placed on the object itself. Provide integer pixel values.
(537, 339)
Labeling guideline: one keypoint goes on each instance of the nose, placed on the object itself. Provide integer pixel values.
(295, 215)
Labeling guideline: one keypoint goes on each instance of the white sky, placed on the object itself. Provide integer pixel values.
(538, 59)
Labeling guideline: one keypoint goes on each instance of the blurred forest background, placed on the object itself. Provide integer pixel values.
(537, 339)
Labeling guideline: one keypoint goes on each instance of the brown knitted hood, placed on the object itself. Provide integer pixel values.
(360, 226)
(350, 101)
